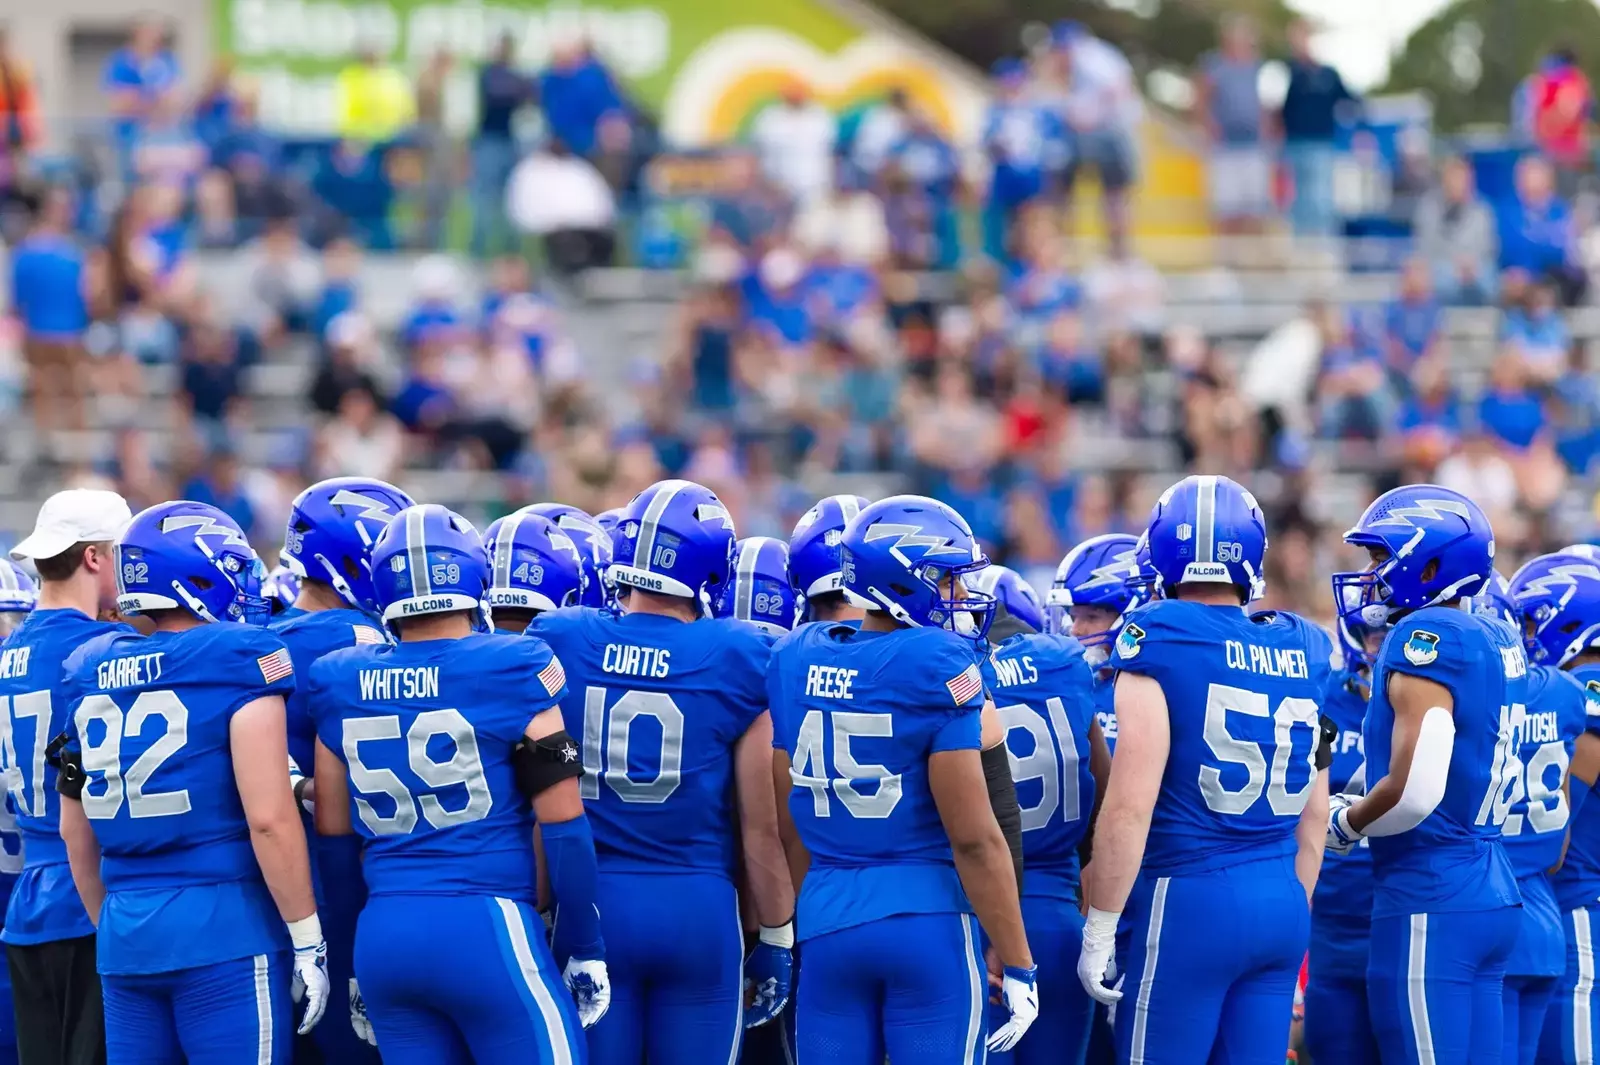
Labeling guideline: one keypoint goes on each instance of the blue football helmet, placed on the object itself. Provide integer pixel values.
(534, 564)
(332, 527)
(1352, 631)
(594, 547)
(1012, 592)
(676, 539)
(1100, 572)
(758, 588)
(814, 545)
(430, 560)
(1208, 530)
(282, 588)
(190, 556)
(18, 595)
(1558, 599)
(1588, 551)
(1497, 601)
(897, 553)
(1437, 547)
(609, 520)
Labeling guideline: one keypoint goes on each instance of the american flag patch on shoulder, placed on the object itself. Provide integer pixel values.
(276, 666)
(553, 677)
(367, 634)
(966, 684)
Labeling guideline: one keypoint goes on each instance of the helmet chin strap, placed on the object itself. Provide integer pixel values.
(336, 579)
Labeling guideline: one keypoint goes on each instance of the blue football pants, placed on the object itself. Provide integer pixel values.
(1435, 985)
(675, 954)
(458, 979)
(1212, 966)
(1060, 1035)
(1338, 1024)
(912, 987)
(1572, 1021)
(1527, 1000)
(341, 894)
(232, 1013)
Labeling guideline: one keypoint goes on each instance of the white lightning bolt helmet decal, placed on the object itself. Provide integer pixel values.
(1427, 509)
(910, 536)
(205, 525)
(377, 510)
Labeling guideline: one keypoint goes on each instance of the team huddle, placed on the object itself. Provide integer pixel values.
(626, 788)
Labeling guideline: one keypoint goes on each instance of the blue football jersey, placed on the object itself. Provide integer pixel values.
(426, 731)
(1548, 732)
(152, 716)
(1043, 691)
(309, 636)
(859, 714)
(1243, 701)
(1453, 860)
(1344, 887)
(659, 704)
(1105, 705)
(44, 904)
(1577, 882)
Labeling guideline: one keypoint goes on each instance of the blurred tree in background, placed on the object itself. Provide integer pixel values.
(1470, 57)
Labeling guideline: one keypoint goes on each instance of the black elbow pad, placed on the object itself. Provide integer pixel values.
(541, 764)
(1327, 735)
(1003, 800)
(62, 755)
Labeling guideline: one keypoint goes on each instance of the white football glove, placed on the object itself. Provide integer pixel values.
(1096, 964)
(1019, 994)
(591, 989)
(358, 1016)
(1342, 838)
(310, 970)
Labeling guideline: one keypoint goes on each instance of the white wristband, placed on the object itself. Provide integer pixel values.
(1100, 925)
(782, 936)
(306, 932)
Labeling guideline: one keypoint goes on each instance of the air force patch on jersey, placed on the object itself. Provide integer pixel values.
(1128, 640)
(1422, 648)
(1591, 697)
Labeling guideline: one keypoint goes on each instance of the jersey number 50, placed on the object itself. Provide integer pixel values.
(1292, 711)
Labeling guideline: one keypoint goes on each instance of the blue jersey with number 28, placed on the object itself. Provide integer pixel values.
(859, 714)
(426, 731)
(660, 704)
(1043, 691)
(153, 716)
(1453, 860)
(1243, 703)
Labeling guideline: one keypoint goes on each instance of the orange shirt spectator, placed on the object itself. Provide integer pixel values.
(20, 123)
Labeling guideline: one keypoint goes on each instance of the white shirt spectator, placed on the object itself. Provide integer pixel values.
(880, 130)
(1483, 476)
(795, 141)
(550, 193)
(1125, 295)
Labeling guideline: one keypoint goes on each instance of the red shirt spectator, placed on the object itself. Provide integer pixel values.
(1560, 103)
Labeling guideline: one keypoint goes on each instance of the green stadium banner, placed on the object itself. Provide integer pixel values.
(705, 67)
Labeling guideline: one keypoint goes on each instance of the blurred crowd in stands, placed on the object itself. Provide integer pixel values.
(867, 299)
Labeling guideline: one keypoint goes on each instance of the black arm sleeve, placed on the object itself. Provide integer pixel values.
(546, 762)
(1328, 733)
(1003, 800)
(62, 755)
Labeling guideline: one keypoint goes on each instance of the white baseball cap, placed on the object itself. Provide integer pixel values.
(77, 515)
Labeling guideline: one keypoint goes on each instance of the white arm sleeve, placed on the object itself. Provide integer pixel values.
(1430, 767)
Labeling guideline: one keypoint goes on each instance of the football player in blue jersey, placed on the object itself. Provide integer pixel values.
(883, 801)
(180, 826)
(432, 749)
(18, 596)
(594, 544)
(1093, 593)
(1534, 832)
(327, 542)
(1337, 1025)
(49, 938)
(676, 742)
(814, 559)
(1558, 596)
(757, 589)
(281, 589)
(534, 567)
(1216, 802)
(1041, 686)
(1449, 692)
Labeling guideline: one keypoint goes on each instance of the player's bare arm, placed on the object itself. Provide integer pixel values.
(333, 813)
(1422, 724)
(259, 740)
(766, 867)
(794, 851)
(983, 861)
(83, 855)
(1311, 835)
(1144, 740)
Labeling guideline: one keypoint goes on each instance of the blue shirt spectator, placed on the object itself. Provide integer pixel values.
(218, 484)
(47, 277)
(1230, 79)
(502, 92)
(576, 92)
(213, 370)
(1411, 322)
(351, 184)
(775, 298)
(1433, 408)
(429, 320)
(976, 494)
(137, 76)
(838, 291)
(1509, 411)
(1043, 288)
(1025, 140)
(1316, 96)
(1537, 235)
(1538, 332)
(928, 160)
